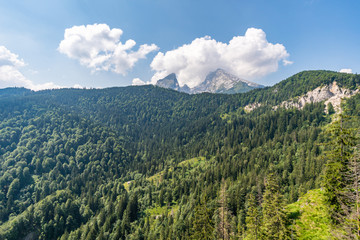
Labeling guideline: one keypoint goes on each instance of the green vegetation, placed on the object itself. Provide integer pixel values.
(151, 163)
(194, 162)
(309, 216)
(161, 211)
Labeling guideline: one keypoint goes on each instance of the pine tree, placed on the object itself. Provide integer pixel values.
(274, 217)
(252, 219)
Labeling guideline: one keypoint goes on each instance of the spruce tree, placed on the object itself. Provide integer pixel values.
(351, 210)
(202, 222)
(274, 217)
(252, 219)
(223, 216)
(335, 181)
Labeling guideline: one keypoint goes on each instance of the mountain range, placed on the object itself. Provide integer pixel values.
(146, 162)
(218, 81)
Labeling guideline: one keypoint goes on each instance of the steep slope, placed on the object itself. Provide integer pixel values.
(309, 216)
(220, 81)
(171, 82)
(306, 81)
(331, 93)
(302, 87)
(136, 162)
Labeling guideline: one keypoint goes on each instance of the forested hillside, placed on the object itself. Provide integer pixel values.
(151, 163)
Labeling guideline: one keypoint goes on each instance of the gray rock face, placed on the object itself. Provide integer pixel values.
(218, 81)
(215, 81)
(169, 82)
(331, 93)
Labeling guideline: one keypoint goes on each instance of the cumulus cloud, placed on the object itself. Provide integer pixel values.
(8, 58)
(138, 82)
(10, 75)
(346, 70)
(250, 56)
(99, 48)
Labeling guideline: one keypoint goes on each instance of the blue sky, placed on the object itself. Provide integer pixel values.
(314, 34)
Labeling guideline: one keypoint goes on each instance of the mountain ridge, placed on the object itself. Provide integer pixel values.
(217, 81)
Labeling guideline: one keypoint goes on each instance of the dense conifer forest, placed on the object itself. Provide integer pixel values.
(143, 162)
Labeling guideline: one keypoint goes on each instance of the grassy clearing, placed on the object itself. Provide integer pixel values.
(309, 216)
(193, 162)
(158, 211)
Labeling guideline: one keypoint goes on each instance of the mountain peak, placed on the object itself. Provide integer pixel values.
(170, 81)
(221, 81)
(218, 81)
(219, 70)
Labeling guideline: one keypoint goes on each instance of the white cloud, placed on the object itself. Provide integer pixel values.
(48, 85)
(10, 75)
(138, 82)
(78, 86)
(8, 58)
(346, 70)
(99, 48)
(250, 56)
(287, 62)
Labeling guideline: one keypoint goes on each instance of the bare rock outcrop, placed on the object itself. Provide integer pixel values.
(331, 93)
(252, 106)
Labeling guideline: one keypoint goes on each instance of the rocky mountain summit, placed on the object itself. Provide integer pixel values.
(218, 81)
(171, 81)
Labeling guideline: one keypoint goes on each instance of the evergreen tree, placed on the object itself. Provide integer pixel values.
(330, 108)
(341, 180)
(352, 193)
(337, 167)
(252, 219)
(274, 217)
(202, 221)
(223, 216)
